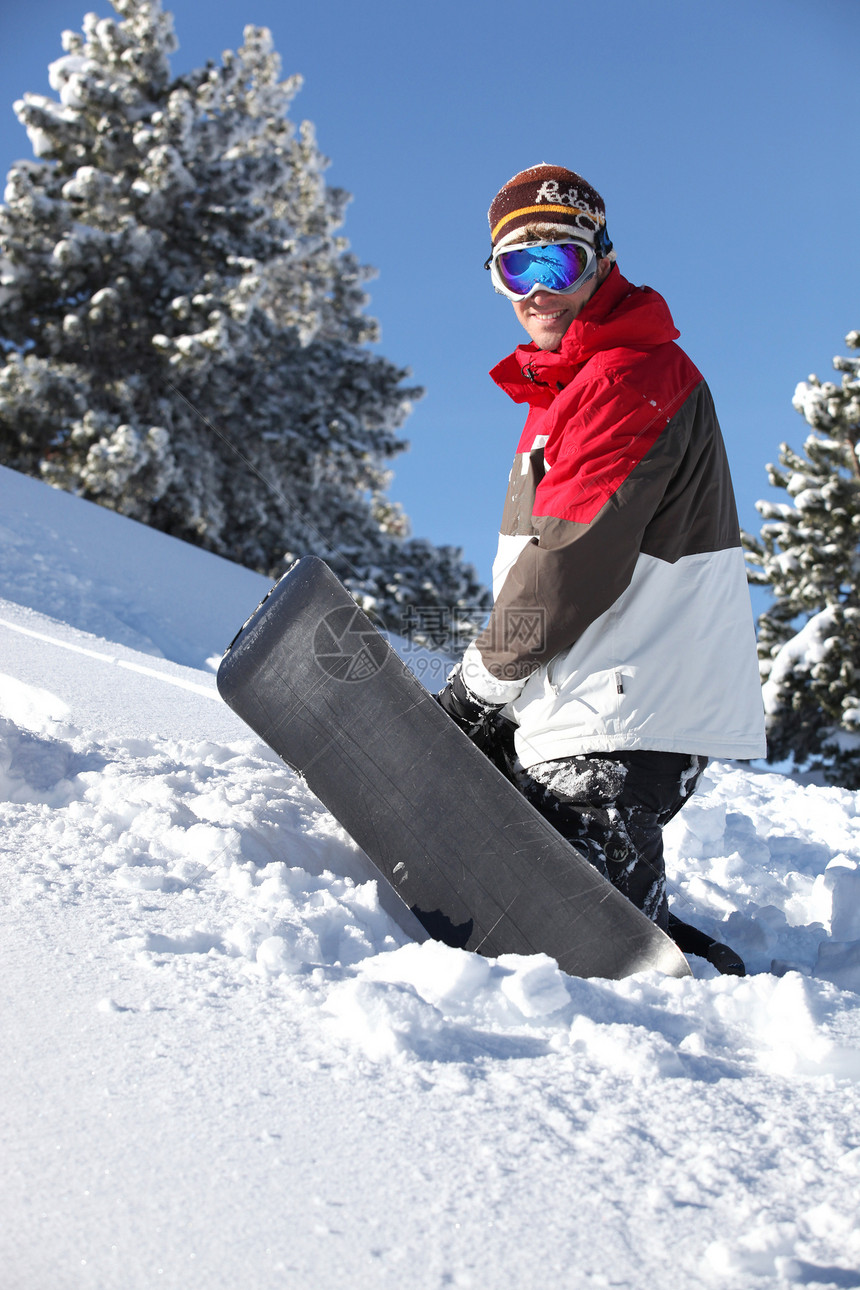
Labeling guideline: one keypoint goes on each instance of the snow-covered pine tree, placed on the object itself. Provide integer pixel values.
(182, 327)
(809, 556)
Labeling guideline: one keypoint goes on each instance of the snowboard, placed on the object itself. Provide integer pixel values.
(475, 863)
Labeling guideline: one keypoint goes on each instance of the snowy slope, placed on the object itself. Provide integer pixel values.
(227, 1063)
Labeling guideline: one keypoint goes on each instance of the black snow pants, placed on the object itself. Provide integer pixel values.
(611, 806)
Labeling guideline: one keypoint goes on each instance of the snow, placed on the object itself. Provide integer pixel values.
(803, 651)
(230, 1060)
(67, 75)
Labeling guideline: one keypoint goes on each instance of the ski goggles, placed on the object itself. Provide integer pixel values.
(562, 267)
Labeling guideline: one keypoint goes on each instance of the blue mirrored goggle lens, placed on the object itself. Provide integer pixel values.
(557, 266)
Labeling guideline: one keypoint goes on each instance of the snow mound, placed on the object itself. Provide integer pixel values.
(251, 874)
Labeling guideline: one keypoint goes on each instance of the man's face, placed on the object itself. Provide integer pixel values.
(547, 315)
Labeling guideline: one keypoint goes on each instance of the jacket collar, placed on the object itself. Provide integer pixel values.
(618, 315)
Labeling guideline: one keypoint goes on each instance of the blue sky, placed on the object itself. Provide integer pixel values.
(718, 131)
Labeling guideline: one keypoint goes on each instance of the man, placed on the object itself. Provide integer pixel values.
(621, 642)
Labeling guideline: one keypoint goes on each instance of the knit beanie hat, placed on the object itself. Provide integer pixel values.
(551, 197)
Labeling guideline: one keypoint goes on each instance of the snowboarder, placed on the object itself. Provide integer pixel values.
(620, 653)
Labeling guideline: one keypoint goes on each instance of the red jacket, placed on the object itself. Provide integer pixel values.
(622, 616)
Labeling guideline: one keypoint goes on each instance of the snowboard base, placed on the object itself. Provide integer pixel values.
(473, 860)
